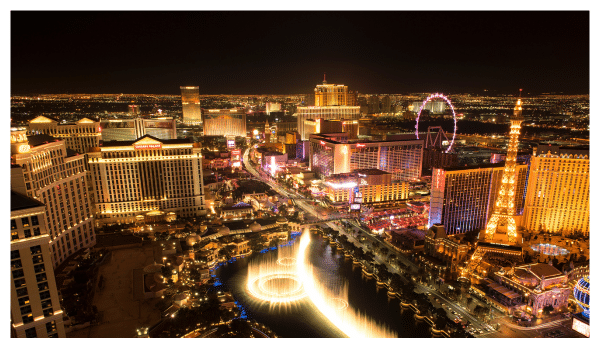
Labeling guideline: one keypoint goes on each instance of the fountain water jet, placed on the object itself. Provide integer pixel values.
(290, 278)
(333, 304)
(275, 280)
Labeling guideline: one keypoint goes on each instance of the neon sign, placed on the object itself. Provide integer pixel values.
(147, 146)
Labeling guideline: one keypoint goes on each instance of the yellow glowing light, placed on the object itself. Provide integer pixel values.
(334, 304)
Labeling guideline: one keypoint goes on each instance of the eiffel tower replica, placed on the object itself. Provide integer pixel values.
(500, 237)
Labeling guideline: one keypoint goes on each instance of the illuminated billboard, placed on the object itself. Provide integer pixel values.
(355, 206)
(581, 327)
(147, 146)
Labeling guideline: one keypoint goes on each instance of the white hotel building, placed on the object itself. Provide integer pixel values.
(137, 179)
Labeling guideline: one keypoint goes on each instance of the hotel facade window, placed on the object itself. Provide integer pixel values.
(559, 198)
(35, 304)
(140, 178)
(57, 177)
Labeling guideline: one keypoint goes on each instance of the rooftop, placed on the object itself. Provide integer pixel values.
(37, 140)
(71, 152)
(130, 143)
(237, 206)
(325, 138)
(542, 270)
(19, 202)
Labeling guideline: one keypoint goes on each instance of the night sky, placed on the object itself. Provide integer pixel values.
(288, 52)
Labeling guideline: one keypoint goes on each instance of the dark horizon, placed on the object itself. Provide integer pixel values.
(279, 53)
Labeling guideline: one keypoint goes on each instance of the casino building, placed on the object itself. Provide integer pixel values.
(56, 176)
(348, 113)
(533, 285)
(79, 136)
(34, 304)
(374, 186)
(224, 122)
(559, 198)
(133, 129)
(334, 153)
(133, 180)
(462, 198)
(190, 105)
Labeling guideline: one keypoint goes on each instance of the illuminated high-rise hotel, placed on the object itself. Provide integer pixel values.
(190, 104)
(55, 176)
(462, 197)
(558, 199)
(324, 113)
(79, 136)
(149, 177)
(132, 129)
(34, 303)
(224, 122)
(334, 95)
(332, 102)
(335, 154)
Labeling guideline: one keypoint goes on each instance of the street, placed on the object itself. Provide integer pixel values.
(507, 329)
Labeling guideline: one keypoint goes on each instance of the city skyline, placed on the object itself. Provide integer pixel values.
(301, 174)
(287, 52)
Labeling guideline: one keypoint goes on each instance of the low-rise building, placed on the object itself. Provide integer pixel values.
(239, 210)
(375, 187)
(407, 240)
(539, 285)
(453, 249)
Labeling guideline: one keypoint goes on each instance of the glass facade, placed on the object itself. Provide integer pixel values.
(225, 122)
(190, 103)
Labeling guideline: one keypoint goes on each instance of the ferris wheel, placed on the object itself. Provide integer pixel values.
(434, 97)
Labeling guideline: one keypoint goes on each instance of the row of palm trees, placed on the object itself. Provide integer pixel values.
(399, 283)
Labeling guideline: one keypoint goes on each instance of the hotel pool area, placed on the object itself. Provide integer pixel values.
(550, 249)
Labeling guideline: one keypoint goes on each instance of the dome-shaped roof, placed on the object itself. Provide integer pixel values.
(581, 293)
(192, 239)
(282, 220)
(255, 227)
(224, 231)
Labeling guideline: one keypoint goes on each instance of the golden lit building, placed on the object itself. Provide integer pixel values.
(133, 129)
(374, 185)
(332, 102)
(225, 122)
(55, 176)
(138, 178)
(79, 136)
(35, 306)
(558, 199)
(334, 95)
(530, 288)
(190, 104)
(453, 248)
